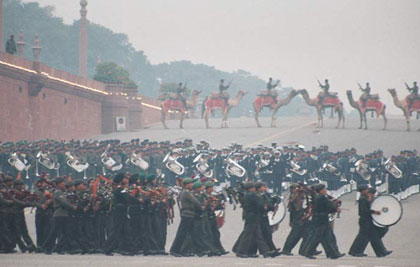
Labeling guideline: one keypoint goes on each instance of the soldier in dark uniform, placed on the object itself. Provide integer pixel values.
(212, 220)
(60, 226)
(120, 234)
(222, 91)
(366, 94)
(189, 208)
(252, 236)
(180, 92)
(322, 208)
(324, 91)
(270, 87)
(297, 211)
(414, 93)
(368, 232)
(11, 45)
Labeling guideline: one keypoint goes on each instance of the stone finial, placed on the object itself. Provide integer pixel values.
(21, 36)
(20, 45)
(83, 10)
(36, 49)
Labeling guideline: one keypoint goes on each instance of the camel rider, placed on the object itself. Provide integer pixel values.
(366, 94)
(222, 88)
(271, 86)
(180, 92)
(324, 89)
(414, 93)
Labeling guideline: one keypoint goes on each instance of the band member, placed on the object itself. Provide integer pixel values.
(211, 209)
(189, 208)
(297, 212)
(320, 219)
(60, 227)
(119, 234)
(252, 236)
(368, 232)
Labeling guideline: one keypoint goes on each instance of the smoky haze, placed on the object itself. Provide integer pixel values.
(297, 41)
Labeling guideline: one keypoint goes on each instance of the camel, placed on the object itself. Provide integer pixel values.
(328, 102)
(403, 105)
(214, 102)
(175, 104)
(262, 101)
(371, 105)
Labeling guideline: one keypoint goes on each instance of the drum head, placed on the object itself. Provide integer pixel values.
(390, 208)
(276, 218)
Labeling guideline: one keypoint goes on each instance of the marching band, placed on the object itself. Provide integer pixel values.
(108, 196)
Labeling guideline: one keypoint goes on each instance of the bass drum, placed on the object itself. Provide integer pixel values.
(390, 208)
(275, 218)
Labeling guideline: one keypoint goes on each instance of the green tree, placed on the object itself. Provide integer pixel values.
(111, 73)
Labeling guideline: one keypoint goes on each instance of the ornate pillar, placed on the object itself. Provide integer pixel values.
(20, 45)
(83, 41)
(36, 49)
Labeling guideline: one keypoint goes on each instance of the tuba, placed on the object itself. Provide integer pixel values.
(202, 166)
(75, 163)
(234, 169)
(362, 170)
(392, 168)
(297, 169)
(18, 164)
(44, 160)
(173, 165)
(111, 164)
(139, 162)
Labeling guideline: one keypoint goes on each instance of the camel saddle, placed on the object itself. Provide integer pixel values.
(216, 95)
(267, 93)
(374, 97)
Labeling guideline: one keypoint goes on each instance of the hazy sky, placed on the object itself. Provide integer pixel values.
(346, 41)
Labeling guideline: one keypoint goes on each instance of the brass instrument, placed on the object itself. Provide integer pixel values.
(234, 169)
(18, 164)
(139, 162)
(263, 163)
(45, 160)
(392, 168)
(202, 166)
(297, 169)
(362, 170)
(173, 165)
(76, 164)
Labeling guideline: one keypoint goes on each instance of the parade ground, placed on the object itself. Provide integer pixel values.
(403, 238)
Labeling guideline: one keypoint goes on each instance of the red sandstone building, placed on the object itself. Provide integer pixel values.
(37, 101)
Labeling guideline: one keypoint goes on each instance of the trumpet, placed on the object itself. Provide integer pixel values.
(173, 165)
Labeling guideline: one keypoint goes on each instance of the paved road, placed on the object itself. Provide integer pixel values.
(402, 238)
(289, 130)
